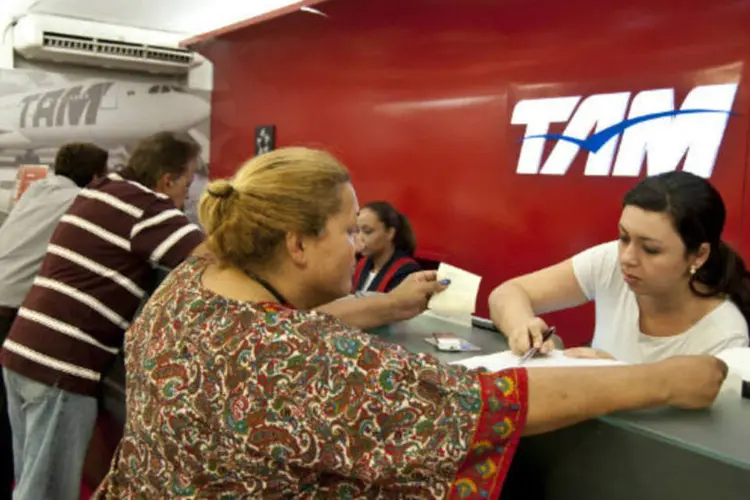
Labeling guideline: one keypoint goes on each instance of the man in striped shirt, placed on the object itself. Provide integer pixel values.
(98, 266)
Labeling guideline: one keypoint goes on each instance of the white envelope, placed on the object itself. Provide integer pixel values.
(461, 295)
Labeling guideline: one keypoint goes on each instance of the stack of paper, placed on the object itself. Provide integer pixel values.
(504, 360)
(459, 301)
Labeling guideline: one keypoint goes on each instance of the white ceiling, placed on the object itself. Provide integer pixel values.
(188, 17)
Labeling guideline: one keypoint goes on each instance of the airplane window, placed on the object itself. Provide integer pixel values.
(153, 90)
(165, 89)
(131, 92)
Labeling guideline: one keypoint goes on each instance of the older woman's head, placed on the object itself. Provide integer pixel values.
(290, 212)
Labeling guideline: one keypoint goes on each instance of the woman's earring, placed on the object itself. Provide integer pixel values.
(693, 270)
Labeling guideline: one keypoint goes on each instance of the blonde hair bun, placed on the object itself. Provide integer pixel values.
(221, 188)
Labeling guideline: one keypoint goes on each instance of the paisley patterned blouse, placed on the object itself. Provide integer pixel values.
(233, 400)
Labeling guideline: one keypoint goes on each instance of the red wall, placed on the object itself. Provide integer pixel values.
(416, 98)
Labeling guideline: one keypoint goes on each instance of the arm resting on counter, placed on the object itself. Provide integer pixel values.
(559, 397)
(366, 312)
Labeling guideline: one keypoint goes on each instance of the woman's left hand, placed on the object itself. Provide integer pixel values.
(587, 353)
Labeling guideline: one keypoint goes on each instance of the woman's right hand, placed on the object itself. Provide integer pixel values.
(412, 295)
(528, 335)
(692, 382)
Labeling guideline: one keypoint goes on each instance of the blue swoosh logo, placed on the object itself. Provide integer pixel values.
(595, 142)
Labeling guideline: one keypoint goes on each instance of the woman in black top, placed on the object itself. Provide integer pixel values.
(388, 245)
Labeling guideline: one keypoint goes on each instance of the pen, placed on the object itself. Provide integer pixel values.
(534, 350)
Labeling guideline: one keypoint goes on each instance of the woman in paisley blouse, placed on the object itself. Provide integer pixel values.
(237, 388)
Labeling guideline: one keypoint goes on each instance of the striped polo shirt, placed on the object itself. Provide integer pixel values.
(98, 265)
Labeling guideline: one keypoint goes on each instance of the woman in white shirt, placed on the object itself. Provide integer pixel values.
(668, 286)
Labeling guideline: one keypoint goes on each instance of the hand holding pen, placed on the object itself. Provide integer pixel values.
(530, 334)
(535, 350)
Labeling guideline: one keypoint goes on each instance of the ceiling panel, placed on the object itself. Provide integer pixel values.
(188, 17)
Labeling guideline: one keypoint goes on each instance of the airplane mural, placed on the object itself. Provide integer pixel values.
(110, 113)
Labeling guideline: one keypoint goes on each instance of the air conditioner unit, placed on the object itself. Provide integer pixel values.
(67, 40)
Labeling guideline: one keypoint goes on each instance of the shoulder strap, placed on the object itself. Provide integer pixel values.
(397, 265)
(358, 273)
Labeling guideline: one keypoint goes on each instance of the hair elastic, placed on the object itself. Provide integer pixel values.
(229, 192)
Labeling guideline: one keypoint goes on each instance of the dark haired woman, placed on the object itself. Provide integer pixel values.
(668, 286)
(388, 245)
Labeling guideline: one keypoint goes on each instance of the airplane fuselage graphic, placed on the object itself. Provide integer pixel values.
(109, 113)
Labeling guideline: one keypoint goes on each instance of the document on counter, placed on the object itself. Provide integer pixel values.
(460, 298)
(555, 359)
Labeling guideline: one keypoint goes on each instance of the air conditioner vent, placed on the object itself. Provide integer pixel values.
(57, 39)
(77, 43)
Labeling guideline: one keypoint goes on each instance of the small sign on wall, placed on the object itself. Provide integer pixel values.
(27, 174)
(265, 139)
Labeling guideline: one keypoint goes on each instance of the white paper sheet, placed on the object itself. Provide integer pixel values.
(460, 298)
(738, 363)
(506, 359)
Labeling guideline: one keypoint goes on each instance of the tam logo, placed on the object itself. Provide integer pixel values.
(647, 128)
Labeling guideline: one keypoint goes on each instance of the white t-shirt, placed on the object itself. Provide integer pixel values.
(617, 316)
